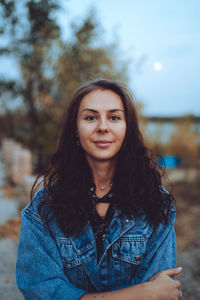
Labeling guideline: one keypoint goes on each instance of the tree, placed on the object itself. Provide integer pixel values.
(184, 141)
(49, 70)
(31, 47)
(87, 57)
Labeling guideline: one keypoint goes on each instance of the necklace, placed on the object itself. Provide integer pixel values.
(105, 199)
(102, 187)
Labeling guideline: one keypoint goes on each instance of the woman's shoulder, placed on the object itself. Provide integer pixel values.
(32, 209)
(40, 215)
(144, 226)
(170, 209)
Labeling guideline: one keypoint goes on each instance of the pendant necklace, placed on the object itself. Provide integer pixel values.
(102, 187)
(106, 198)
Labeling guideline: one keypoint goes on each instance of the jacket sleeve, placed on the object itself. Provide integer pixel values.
(160, 252)
(39, 268)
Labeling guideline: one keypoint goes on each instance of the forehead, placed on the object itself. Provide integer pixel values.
(101, 99)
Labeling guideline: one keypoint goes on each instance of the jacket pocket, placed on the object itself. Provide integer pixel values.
(130, 249)
(68, 253)
(72, 265)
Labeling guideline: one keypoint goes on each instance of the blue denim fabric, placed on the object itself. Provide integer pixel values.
(51, 266)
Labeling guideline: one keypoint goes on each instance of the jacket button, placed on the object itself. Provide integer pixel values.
(127, 220)
(138, 258)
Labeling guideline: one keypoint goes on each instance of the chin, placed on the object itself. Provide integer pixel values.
(104, 158)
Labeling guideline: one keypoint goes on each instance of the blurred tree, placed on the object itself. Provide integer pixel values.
(32, 35)
(184, 141)
(86, 57)
(49, 70)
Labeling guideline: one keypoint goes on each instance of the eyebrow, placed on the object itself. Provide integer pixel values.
(95, 111)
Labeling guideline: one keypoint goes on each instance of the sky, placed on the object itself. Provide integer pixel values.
(161, 40)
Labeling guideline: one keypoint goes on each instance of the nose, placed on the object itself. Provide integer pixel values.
(102, 125)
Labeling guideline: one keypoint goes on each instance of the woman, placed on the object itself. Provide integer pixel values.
(102, 225)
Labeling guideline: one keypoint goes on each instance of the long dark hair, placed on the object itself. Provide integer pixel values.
(137, 179)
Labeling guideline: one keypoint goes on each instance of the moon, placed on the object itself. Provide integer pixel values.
(157, 66)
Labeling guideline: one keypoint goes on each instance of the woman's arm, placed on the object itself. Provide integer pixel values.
(160, 252)
(160, 287)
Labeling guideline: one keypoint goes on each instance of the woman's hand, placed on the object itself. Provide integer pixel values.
(163, 287)
(160, 287)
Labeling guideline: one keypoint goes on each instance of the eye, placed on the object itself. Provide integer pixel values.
(90, 118)
(114, 118)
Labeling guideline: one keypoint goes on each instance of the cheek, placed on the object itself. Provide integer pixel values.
(83, 137)
(121, 132)
(85, 131)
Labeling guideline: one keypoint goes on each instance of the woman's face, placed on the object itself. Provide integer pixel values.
(101, 124)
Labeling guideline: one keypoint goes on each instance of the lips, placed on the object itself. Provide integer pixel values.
(102, 143)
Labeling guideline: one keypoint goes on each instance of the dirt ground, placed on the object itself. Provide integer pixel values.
(187, 196)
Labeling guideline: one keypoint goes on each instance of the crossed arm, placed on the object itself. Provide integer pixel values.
(160, 287)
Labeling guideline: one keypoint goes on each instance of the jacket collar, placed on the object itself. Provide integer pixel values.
(117, 228)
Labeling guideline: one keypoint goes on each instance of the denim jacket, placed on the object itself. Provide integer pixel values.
(51, 266)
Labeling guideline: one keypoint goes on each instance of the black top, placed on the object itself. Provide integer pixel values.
(100, 225)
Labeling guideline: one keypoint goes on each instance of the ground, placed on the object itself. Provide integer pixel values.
(188, 237)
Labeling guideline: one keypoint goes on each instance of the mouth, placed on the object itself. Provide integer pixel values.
(102, 143)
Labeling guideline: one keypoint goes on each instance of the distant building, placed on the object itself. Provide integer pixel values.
(164, 127)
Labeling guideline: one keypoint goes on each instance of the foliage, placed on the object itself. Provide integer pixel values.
(49, 68)
(184, 141)
(84, 59)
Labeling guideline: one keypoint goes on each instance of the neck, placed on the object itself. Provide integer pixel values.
(102, 172)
